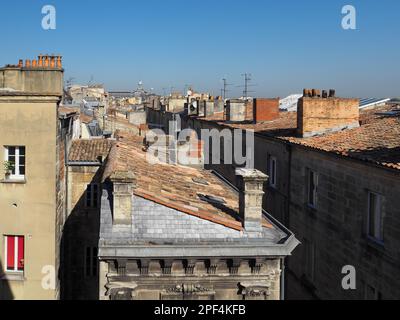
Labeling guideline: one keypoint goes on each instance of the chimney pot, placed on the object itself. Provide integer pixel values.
(52, 62)
(46, 61)
(324, 94)
(59, 62)
(40, 61)
(251, 191)
(27, 63)
(332, 93)
(20, 63)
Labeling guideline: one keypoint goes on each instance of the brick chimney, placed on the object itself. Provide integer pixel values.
(123, 185)
(265, 109)
(251, 191)
(319, 114)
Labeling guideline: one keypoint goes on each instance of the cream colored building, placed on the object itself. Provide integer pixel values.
(32, 195)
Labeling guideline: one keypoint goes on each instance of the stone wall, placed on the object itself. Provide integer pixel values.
(81, 231)
(337, 227)
(321, 115)
(193, 279)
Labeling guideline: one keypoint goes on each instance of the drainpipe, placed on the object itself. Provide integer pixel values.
(283, 283)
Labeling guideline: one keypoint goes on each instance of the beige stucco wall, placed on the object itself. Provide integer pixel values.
(29, 209)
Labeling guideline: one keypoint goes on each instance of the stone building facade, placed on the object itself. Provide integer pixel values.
(349, 164)
(82, 227)
(34, 135)
(174, 232)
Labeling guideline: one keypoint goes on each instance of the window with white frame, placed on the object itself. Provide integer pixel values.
(375, 217)
(15, 155)
(272, 171)
(14, 253)
(92, 195)
(312, 186)
(91, 263)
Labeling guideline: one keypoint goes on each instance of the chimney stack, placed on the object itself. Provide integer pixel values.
(236, 110)
(251, 191)
(265, 109)
(123, 185)
(318, 114)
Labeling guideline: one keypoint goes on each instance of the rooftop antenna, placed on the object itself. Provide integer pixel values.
(247, 80)
(225, 90)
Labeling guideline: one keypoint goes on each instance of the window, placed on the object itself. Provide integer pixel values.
(272, 171)
(375, 219)
(92, 195)
(91, 261)
(14, 253)
(312, 188)
(309, 252)
(16, 156)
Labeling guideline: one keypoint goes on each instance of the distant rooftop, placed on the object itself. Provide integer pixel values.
(377, 140)
(89, 150)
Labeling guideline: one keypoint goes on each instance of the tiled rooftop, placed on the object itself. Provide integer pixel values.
(175, 186)
(377, 140)
(89, 150)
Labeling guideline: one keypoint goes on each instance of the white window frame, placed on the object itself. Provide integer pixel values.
(15, 270)
(17, 175)
(92, 197)
(314, 191)
(272, 173)
(378, 223)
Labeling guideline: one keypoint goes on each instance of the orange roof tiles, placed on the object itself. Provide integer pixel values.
(377, 140)
(89, 150)
(174, 186)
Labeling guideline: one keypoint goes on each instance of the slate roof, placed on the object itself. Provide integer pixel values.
(89, 150)
(377, 140)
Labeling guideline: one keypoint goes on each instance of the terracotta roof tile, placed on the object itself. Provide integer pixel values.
(173, 185)
(377, 140)
(89, 150)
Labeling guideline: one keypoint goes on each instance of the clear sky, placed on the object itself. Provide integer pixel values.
(286, 45)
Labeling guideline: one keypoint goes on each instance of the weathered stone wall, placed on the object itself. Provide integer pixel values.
(81, 231)
(337, 227)
(44, 81)
(197, 279)
(321, 115)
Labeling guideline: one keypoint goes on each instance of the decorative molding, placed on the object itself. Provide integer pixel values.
(255, 289)
(188, 289)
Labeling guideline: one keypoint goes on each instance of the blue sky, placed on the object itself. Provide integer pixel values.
(286, 45)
